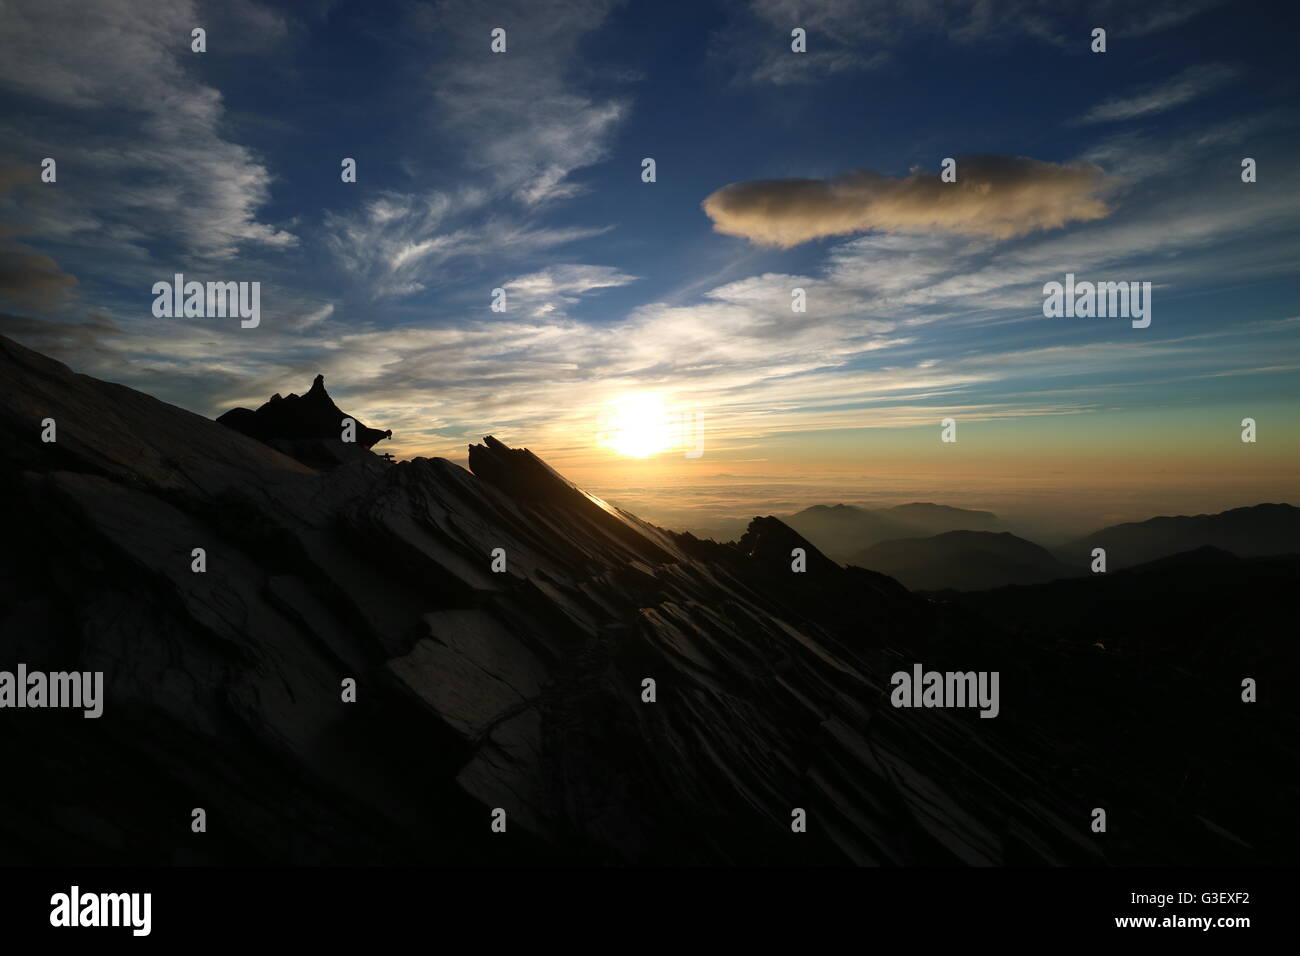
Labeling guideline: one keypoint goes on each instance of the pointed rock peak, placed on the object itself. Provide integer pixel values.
(520, 472)
(312, 417)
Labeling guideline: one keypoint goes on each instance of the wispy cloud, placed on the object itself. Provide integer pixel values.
(138, 136)
(523, 116)
(398, 244)
(521, 125)
(1193, 82)
(551, 291)
(846, 36)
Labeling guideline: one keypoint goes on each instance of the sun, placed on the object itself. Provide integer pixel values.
(637, 426)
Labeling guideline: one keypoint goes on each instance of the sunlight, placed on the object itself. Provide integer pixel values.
(637, 426)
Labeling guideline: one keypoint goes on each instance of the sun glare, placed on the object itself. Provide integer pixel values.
(637, 426)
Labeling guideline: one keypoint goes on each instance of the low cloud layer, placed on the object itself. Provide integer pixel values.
(996, 196)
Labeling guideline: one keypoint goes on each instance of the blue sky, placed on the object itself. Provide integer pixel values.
(522, 171)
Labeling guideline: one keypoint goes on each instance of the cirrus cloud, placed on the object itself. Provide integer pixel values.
(995, 196)
(1193, 82)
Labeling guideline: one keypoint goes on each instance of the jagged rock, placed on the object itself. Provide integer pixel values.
(521, 689)
(306, 427)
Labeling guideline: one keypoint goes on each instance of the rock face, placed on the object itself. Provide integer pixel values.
(522, 689)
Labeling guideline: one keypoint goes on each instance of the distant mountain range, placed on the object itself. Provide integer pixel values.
(964, 560)
(932, 547)
(1246, 532)
(844, 531)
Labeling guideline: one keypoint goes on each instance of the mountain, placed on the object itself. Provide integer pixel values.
(937, 519)
(1202, 557)
(843, 531)
(1246, 532)
(963, 560)
(228, 688)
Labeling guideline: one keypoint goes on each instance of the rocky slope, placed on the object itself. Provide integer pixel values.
(520, 690)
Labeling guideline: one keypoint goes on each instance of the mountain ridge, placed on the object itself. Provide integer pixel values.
(1249, 531)
(520, 689)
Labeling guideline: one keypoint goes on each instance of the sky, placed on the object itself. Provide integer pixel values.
(649, 347)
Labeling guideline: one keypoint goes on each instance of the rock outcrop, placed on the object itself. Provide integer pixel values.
(306, 427)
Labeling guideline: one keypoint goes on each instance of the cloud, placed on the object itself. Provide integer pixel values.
(886, 340)
(853, 35)
(518, 124)
(884, 343)
(312, 318)
(31, 279)
(1186, 86)
(551, 291)
(996, 196)
(1148, 18)
(143, 135)
(76, 342)
(397, 244)
(521, 116)
(28, 279)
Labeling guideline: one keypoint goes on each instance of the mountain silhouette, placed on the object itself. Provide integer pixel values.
(307, 427)
(963, 560)
(845, 531)
(1246, 532)
(525, 688)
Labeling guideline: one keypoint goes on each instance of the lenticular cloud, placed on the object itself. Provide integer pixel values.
(996, 196)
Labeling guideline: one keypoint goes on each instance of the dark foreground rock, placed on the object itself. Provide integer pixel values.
(523, 690)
